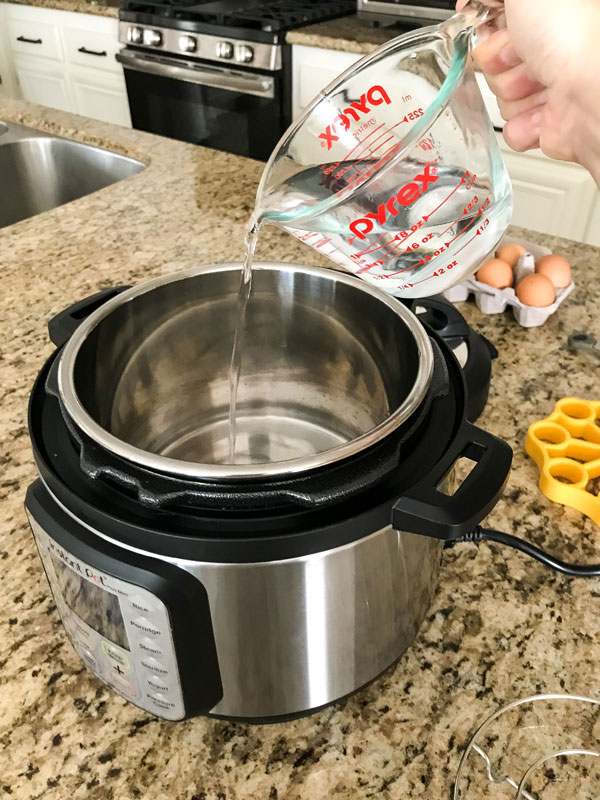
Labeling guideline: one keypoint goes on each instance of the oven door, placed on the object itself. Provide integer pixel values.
(418, 11)
(237, 111)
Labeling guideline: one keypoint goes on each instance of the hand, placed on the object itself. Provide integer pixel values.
(544, 67)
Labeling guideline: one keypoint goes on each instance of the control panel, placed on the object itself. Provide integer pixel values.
(122, 632)
(212, 48)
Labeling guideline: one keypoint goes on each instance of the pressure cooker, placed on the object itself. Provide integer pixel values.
(272, 586)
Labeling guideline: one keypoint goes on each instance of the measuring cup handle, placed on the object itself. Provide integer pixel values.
(426, 510)
(65, 323)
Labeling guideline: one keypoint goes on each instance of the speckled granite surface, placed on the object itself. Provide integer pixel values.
(345, 33)
(500, 626)
(80, 6)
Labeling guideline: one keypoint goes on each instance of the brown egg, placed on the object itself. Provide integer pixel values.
(511, 253)
(556, 268)
(495, 273)
(536, 290)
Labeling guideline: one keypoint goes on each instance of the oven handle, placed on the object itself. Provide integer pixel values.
(259, 85)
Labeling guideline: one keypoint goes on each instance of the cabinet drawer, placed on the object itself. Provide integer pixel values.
(33, 38)
(94, 49)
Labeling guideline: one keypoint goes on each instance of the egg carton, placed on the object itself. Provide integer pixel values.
(495, 301)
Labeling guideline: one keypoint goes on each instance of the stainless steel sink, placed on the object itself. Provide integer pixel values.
(39, 172)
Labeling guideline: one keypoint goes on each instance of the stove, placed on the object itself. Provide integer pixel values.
(215, 73)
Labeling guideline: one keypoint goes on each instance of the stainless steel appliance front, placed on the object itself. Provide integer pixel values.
(297, 634)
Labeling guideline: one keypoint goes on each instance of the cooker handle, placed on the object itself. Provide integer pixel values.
(426, 510)
(64, 324)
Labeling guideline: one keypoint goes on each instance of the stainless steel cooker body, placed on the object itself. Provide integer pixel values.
(295, 635)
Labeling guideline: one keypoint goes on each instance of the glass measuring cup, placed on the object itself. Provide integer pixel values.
(394, 171)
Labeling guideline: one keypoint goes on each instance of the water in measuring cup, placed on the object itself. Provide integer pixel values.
(237, 352)
(390, 233)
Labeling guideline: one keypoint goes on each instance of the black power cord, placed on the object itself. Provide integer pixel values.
(479, 534)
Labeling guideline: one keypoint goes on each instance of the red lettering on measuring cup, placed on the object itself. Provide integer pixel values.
(374, 97)
(406, 196)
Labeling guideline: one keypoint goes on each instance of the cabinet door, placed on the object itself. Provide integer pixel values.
(593, 231)
(313, 68)
(43, 84)
(100, 95)
(552, 197)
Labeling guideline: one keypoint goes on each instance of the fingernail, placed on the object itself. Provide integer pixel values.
(509, 56)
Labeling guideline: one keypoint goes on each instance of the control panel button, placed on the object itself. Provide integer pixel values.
(120, 682)
(188, 44)
(160, 701)
(81, 633)
(135, 35)
(150, 647)
(152, 38)
(244, 54)
(89, 658)
(143, 625)
(157, 684)
(115, 655)
(141, 605)
(154, 665)
(224, 50)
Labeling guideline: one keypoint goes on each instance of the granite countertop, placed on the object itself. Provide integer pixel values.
(345, 33)
(81, 6)
(500, 626)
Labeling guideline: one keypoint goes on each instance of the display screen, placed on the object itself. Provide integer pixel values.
(95, 606)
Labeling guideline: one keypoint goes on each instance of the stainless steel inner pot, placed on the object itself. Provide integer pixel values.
(330, 366)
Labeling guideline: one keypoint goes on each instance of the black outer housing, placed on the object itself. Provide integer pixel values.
(257, 534)
(442, 317)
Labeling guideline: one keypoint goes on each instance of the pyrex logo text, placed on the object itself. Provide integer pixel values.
(374, 97)
(406, 196)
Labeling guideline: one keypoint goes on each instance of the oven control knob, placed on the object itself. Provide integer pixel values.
(188, 44)
(135, 35)
(244, 53)
(224, 50)
(152, 38)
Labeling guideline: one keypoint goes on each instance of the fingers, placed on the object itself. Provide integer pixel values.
(513, 108)
(523, 131)
(496, 54)
(514, 84)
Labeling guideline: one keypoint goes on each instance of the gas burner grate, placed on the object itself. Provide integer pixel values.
(277, 15)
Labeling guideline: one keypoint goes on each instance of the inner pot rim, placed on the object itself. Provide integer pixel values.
(73, 407)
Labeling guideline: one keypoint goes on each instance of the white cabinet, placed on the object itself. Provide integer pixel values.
(101, 97)
(66, 60)
(314, 68)
(593, 231)
(43, 83)
(552, 197)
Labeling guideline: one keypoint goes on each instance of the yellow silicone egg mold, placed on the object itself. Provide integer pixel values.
(566, 448)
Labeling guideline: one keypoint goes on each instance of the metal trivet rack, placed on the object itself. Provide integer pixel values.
(545, 747)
